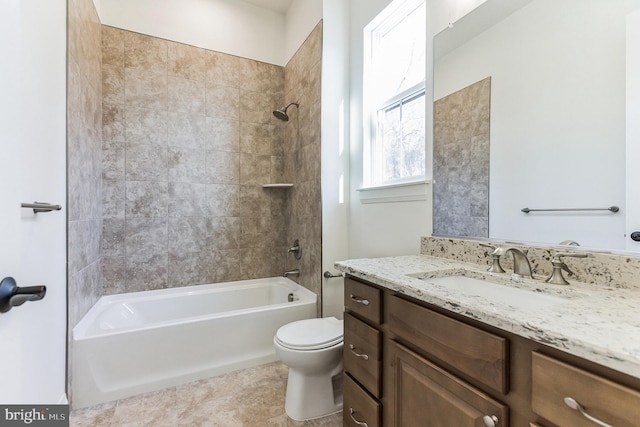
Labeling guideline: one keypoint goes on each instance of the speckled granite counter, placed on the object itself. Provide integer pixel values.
(599, 324)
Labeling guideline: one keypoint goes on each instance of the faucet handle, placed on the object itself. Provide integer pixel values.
(495, 256)
(489, 245)
(557, 257)
(556, 277)
(296, 249)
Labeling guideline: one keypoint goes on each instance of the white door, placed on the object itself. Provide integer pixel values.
(32, 168)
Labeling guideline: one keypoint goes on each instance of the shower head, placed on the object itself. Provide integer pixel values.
(281, 113)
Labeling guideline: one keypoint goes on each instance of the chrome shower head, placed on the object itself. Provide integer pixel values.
(281, 113)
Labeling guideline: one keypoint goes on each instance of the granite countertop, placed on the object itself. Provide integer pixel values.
(598, 324)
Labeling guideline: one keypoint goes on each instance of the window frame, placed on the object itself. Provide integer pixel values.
(372, 143)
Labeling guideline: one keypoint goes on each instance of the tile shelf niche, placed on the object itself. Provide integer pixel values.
(283, 185)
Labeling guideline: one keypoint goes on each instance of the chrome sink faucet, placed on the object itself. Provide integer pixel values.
(521, 264)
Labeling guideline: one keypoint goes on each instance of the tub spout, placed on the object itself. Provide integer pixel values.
(295, 273)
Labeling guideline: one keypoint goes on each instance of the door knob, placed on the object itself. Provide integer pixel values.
(12, 295)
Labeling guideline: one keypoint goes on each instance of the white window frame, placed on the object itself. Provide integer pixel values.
(387, 19)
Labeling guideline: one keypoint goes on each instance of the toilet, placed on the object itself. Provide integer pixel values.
(312, 349)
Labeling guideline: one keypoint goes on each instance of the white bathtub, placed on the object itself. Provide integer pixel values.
(134, 343)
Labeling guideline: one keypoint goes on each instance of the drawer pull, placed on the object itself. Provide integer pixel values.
(490, 421)
(360, 423)
(360, 355)
(573, 404)
(358, 299)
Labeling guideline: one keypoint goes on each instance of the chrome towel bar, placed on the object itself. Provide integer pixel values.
(41, 207)
(327, 275)
(613, 209)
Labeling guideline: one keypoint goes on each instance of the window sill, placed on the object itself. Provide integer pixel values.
(401, 192)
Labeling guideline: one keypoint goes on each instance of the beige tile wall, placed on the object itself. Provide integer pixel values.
(302, 158)
(188, 140)
(84, 158)
(461, 162)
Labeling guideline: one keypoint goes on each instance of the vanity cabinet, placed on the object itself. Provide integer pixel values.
(429, 367)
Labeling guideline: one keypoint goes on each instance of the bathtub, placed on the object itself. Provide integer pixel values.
(139, 342)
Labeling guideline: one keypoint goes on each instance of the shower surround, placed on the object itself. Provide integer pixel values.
(84, 158)
(188, 140)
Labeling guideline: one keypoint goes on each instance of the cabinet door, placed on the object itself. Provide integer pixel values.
(422, 394)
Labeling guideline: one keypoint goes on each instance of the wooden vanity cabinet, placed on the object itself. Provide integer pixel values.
(429, 367)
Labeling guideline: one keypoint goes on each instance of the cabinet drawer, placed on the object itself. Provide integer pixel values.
(603, 399)
(359, 407)
(471, 351)
(362, 345)
(362, 299)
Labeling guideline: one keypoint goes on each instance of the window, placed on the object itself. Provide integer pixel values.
(394, 94)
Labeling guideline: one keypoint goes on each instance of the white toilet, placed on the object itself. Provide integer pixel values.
(312, 349)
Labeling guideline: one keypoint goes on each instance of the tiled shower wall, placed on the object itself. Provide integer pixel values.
(188, 140)
(84, 158)
(302, 158)
(461, 162)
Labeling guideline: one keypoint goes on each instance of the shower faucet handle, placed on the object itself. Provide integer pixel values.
(296, 249)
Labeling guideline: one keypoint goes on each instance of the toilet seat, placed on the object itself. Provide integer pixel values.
(311, 334)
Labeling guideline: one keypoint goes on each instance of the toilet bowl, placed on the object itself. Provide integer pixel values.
(312, 349)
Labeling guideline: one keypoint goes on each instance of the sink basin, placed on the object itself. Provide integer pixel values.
(497, 293)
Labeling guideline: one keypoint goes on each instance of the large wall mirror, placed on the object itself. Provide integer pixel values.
(564, 115)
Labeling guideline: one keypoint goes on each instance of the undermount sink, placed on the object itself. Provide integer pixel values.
(499, 294)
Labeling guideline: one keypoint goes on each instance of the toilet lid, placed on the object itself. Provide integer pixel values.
(311, 334)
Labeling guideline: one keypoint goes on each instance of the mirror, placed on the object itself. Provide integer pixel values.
(560, 118)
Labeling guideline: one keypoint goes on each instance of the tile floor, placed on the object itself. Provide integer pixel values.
(250, 397)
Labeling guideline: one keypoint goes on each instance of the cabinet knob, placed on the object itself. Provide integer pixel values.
(573, 404)
(360, 423)
(490, 420)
